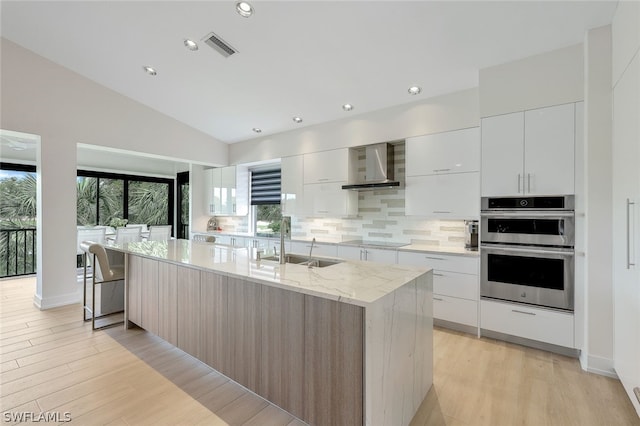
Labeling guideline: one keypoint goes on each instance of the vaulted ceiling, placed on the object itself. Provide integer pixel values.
(294, 58)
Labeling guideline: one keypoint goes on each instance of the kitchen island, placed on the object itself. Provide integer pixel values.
(349, 343)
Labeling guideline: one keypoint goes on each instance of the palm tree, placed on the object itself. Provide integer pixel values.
(17, 222)
(148, 203)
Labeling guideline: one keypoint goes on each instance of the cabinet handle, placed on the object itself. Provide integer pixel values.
(529, 182)
(518, 183)
(323, 180)
(441, 211)
(435, 258)
(438, 275)
(523, 312)
(441, 170)
(234, 208)
(630, 236)
(323, 211)
(438, 299)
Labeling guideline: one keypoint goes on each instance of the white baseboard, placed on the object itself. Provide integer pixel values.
(597, 365)
(54, 302)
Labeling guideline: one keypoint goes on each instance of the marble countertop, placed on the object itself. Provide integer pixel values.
(421, 248)
(354, 282)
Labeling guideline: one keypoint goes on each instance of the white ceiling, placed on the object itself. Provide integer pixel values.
(21, 148)
(303, 58)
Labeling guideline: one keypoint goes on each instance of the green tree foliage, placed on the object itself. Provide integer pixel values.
(18, 201)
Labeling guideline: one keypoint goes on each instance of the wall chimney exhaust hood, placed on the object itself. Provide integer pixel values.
(378, 170)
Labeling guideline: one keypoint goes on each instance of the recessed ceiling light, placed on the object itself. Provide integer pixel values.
(297, 119)
(257, 130)
(414, 90)
(244, 9)
(347, 107)
(190, 44)
(150, 70)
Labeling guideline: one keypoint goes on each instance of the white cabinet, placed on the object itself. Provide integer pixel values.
(449, 152)
(529, 152)
(450, 196)
(319, 249)
(327, 166)
(455, 285)
(502, 154)
(626, 229)
(231, 240)
(442, 178)
(542, 325)
(227, 191)
(330, 200)
(292, 185)
(324, 174)
(212, 192)
(368, 254)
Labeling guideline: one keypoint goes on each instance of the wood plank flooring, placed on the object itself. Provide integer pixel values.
(51, 361)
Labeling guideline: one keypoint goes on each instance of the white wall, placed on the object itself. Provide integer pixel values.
(439, 114)
(64, 109)
(551, 78)
(597, 354)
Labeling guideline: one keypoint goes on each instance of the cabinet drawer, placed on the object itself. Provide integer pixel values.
(453, 284)
(456, 310)
(531, 323)
(440, 262)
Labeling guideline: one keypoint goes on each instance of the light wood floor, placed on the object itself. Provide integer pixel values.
(50, 361)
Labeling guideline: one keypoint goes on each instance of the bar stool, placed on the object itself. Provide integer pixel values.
(103, 273)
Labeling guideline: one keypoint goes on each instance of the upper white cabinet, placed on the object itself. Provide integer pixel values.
(327, 166)
(324, 174)
(292, 186)
(448, 152)
(227, 191)
(454, 196)
(529, 152)
(329, 200)
(442, 175)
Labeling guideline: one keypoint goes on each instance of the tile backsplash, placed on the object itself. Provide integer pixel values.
(381, 217)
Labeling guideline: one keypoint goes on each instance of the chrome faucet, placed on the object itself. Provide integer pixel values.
(311, 252)
(285, 230)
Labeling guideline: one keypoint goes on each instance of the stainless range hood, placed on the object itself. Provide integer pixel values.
(379, 169)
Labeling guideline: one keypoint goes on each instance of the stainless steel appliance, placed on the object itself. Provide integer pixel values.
(527, 250)
(471, 234)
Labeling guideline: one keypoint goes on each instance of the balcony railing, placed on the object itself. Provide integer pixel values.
(17, 252)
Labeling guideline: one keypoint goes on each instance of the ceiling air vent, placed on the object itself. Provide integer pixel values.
(219, 45)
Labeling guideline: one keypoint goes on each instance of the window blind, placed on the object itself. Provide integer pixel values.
(265, 187)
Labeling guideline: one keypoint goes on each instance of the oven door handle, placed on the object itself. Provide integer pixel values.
(568, 252)
(527, 214)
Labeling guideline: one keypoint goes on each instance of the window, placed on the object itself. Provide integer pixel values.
(17, 219)
(103, 197)
(265, 199)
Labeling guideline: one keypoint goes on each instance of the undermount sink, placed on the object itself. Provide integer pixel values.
(298, 259)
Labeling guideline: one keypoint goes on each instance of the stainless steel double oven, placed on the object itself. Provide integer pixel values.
(527, 250)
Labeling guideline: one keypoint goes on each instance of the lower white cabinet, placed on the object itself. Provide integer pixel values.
(519, 320)
(455, 285)
(230, 240)
(453, 309)
(367, 253)
(446, 196)
(319, 249)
